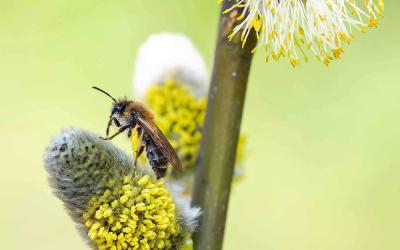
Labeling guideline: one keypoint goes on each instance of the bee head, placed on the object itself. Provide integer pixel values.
(118, 108)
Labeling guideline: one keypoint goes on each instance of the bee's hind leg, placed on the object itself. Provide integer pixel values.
(138, 153)
(130, 132)
(140, 146)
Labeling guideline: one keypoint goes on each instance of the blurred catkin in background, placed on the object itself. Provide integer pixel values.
(289, 28)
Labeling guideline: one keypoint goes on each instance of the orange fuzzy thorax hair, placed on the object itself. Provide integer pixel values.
(141, 109)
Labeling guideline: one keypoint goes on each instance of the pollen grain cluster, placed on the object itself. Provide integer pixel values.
(138, 213)
(180, 116)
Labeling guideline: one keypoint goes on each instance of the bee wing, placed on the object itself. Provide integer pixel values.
(162, 142)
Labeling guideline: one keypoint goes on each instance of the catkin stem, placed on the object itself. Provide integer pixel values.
(221, 131)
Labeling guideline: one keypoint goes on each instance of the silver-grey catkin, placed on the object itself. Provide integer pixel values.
(79, 164)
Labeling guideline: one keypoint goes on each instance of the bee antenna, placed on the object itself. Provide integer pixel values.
(104, 92)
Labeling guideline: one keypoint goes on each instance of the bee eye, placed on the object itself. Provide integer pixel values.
(118, 108)
(115, 109)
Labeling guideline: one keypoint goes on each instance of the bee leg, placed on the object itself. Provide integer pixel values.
(130, 132)
(122, 129)
(138, 153)
(112, 119)
(109, 125)
(140, 147)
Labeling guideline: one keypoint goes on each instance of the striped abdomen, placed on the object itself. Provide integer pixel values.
(157, 160)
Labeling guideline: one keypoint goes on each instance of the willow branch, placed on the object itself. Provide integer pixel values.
(221, 131)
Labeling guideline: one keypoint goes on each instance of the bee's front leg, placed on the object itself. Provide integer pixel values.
(116, 122)
(122, 129)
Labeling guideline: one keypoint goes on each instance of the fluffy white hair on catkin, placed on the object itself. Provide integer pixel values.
(169, 56)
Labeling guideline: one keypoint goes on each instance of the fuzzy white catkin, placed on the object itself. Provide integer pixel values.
(169, 56)
(79, 164)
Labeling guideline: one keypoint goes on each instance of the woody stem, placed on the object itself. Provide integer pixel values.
(221, 131)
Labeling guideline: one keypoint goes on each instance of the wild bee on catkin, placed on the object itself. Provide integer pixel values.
(132, 115)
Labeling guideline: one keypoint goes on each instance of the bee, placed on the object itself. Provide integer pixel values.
(132, 115)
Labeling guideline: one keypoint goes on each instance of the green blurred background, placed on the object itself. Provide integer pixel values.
(323, 168)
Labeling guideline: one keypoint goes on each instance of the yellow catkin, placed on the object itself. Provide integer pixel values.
(180, 116)
(138, 213)
(287, 28)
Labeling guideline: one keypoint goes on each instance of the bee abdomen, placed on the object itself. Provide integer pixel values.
(157, 160)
